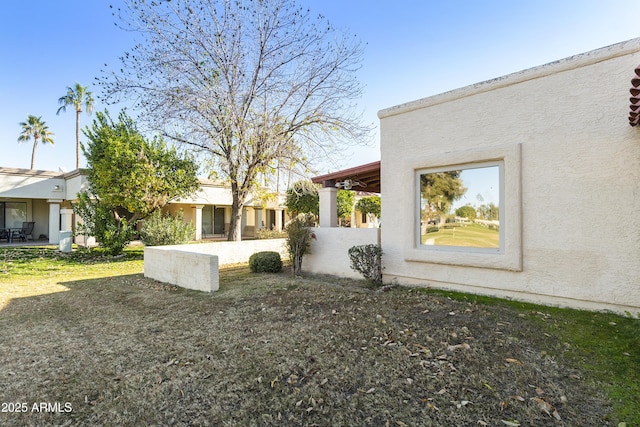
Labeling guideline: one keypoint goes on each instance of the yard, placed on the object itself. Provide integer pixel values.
(87, 340)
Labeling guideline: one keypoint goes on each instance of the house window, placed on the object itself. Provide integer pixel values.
(467, 209)
(12, 214)
(459, 207)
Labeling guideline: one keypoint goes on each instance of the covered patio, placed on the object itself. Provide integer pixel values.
(360, 178)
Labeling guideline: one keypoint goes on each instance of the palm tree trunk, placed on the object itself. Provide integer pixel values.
(78, 138)
(33, 153)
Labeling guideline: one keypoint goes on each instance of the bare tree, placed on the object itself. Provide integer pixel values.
(253, 82)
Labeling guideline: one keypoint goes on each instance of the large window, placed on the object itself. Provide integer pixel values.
(467, 209)
(460, 207)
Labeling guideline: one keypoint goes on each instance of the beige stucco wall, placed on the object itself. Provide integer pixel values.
(329, 251)
(579, 179)
(24, 184)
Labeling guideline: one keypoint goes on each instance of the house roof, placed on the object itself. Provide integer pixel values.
(634, 115)
(364, 178)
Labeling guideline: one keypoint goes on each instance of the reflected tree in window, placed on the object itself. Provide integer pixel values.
(438, 192)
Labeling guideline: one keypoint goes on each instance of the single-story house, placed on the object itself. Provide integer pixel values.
(556, 150)
(526, 186)
(45, 197)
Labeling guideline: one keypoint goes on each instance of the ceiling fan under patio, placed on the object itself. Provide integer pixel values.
(348, 184)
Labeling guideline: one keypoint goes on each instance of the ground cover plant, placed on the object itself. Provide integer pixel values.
(99, 344)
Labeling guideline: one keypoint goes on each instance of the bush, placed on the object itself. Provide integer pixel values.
(265, 262)
(113, 234)
(265, 233)
(367, 260)
(299, 235)
(161, 230)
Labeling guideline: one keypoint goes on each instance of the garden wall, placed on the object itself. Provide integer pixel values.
(571, 166)
(329, 250)
(196, 266)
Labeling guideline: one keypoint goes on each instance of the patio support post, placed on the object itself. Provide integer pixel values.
(198, 221)
(328, 207)
(54, 221)
(278, 219)
(259, 212)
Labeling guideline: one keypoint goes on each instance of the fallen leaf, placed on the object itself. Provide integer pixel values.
(556, 415)
(510, 423)
(543, 404)
(463, 346)
(515, 361)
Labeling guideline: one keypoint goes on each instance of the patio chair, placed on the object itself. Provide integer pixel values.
(26, 230)
(4, 234)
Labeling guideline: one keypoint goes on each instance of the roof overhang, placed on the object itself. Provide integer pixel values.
(364, 178)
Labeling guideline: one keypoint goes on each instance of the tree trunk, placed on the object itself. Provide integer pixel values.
(78, 138)
(33, 153)
(235, 226)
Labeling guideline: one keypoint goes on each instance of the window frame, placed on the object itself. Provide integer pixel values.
(509, 254)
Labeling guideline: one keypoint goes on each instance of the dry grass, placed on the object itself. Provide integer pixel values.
(276, 350)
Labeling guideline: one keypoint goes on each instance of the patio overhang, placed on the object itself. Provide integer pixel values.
(360, 178)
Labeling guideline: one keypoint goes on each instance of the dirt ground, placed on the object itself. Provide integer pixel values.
(276, 350)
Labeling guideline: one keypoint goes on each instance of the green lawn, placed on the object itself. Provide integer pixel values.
(470, 235)
(271, 349)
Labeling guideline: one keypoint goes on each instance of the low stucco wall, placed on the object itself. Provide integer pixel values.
(578, 174)
(329, 250)
(191, 270)
(196, 266)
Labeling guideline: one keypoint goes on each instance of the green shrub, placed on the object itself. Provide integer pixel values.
(265, 262)
(161, 230)
(112, 233)
(265, 233)
(299, 235)
(367, 260)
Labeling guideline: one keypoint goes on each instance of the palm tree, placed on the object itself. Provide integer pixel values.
(35, 128)
(78, 96)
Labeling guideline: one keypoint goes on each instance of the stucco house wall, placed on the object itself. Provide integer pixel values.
(572, 182)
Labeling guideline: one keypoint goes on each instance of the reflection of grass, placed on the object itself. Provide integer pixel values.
(472, 235)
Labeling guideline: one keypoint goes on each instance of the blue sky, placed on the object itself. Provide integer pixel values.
(414, 49)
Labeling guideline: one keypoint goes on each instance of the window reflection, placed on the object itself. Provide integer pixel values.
(461, 207)
(12, 214)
